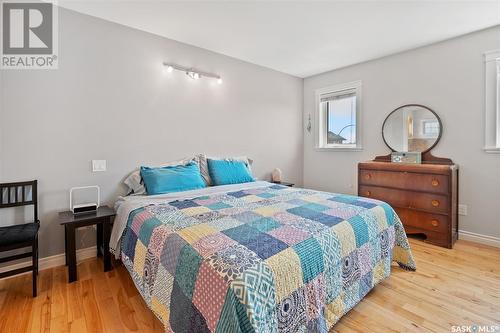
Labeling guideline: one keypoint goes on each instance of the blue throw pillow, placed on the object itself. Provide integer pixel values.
(225, 172)
(169, 179)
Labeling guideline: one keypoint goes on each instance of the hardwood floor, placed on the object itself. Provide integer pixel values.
(451, 287)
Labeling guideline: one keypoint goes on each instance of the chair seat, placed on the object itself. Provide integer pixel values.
(19, 233)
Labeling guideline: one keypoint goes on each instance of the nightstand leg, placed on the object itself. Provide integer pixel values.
(106, 234)
(99, 239)
(66, 245)
(71, 253)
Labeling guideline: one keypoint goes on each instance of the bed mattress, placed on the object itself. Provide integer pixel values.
(256, 257)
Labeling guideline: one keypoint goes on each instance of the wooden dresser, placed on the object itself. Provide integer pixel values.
(425, 196)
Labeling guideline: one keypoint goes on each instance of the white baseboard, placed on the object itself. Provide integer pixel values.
(54, 261)
(478, 238)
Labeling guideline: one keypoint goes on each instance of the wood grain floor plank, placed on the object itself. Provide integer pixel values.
(90, 309)
(40, 315)
(451, 287)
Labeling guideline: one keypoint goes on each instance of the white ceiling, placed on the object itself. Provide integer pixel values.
(301, 38)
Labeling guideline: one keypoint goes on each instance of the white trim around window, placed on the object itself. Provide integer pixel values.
(320, 117)
(492, 101)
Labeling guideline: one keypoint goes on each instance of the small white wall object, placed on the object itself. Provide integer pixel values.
(98, 165)
(276, 175)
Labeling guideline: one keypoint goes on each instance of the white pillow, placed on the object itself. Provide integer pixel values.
(134, 180)
(204, 165)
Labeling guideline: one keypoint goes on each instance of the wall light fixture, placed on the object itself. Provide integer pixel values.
(192, 73)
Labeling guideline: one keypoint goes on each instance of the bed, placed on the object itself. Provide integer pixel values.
(256, 257)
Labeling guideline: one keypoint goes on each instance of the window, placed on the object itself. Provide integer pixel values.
(492, 102)
(430, 128)
(338, 110)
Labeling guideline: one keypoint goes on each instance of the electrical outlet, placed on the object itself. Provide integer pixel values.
(98, 165)
(462, 209)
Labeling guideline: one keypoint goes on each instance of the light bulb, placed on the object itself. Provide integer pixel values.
(170, 69)
(193, 75)
(219, 81)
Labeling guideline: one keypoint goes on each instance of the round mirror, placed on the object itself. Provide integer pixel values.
(412, 128)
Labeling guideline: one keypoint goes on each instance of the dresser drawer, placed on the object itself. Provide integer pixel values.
(433, 237)
(429, 202)
(405, 180)
(425, 221)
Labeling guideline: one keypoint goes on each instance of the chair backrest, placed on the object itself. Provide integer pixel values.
(20, 194)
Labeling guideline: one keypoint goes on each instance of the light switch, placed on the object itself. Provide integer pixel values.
(98, 165)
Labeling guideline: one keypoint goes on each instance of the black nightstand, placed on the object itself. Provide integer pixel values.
(284, 184)
(103, 219)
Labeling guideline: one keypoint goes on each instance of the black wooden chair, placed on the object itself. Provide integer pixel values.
(21, 235)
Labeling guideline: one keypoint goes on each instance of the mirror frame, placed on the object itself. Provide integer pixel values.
(422, 106)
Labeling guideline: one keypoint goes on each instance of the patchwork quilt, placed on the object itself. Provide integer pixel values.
(267, 259)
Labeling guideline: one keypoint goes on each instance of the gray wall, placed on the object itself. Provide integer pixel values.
(449, 78)
(1, 121)
(110, 100)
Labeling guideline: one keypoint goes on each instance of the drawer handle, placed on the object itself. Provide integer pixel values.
(435, 182)
(435, 203)
(368, 193)
(368, 176)
(435, 223)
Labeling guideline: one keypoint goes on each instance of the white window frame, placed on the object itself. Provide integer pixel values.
(492, 101)
(429, 135)
(320, 124)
